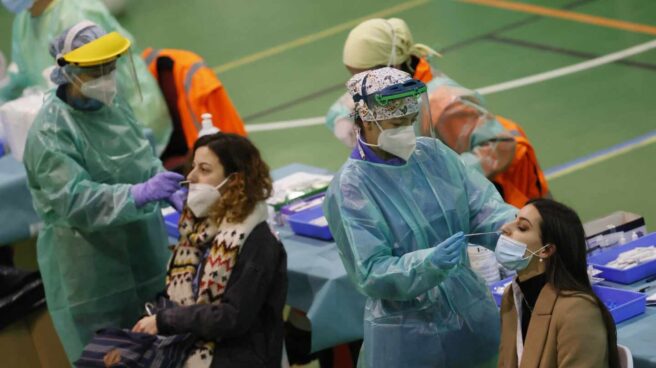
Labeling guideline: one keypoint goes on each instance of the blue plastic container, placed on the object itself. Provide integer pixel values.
(622, 304)
(301, 204)
(628, 276)
(171, 222)
(495, 285)
(2, 147)
(310, 222)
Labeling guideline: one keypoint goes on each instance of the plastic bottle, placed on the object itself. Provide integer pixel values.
(207, 125)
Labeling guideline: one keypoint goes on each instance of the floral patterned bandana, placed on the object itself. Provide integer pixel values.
(372, 81)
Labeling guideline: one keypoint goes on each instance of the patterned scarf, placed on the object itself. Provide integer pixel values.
(222, 243)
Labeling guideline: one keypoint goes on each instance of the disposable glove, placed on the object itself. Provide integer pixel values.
(447, 253)
(159, 187)
(178, 198)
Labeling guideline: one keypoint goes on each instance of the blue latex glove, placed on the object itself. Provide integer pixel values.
(159, 187)
(178, 198)
(448, 253)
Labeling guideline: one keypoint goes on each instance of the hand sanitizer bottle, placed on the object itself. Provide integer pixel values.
(207, 125)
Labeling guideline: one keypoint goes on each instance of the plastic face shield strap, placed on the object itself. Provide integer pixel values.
(409, 89)
(71, 34)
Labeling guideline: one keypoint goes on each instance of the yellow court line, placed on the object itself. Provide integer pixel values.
(315, 36)
(567, 15)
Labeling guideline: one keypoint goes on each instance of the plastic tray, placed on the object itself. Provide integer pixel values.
(302, 204)
(310, 222)
(622, 304)
(628, 276)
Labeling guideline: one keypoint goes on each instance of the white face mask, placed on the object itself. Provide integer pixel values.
(203, 196)
(510, 253)
(401, 142)
(102, 89)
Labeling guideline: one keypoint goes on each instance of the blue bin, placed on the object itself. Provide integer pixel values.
(302, 204)
(493, 286)
(622, 304)
(628, 276)
(310, 222)
(171, 222)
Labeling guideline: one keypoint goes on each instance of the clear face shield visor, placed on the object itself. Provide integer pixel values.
(465, 126)
(94, 68)
(397, 106)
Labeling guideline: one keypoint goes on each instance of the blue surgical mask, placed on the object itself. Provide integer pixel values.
(17, 6)
(510, 253)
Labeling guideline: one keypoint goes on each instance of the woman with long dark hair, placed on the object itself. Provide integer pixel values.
(550, 317)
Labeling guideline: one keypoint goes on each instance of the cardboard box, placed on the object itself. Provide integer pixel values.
(32, 343)
(617, 228)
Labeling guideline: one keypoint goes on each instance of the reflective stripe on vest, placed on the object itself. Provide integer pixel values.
(152, 56)
(187, 88)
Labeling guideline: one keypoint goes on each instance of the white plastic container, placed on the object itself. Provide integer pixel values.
(17, 117)
(484, 263)
(208, 127)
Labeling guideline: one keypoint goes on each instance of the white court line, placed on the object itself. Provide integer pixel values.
(284, 124)
(505, 86)
(537, 78)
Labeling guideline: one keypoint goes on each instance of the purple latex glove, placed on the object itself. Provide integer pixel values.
(158, 188)
(178, 198)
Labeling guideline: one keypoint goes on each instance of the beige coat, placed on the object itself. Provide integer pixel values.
(566, 330)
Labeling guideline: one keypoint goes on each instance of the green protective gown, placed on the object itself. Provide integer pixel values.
(101, 258)
(31, 38)
(385, 220)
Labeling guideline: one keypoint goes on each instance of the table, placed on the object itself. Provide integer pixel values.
(18, 220)
(639, 333)
(318, 283)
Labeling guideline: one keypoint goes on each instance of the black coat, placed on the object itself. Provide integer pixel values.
(247, 325)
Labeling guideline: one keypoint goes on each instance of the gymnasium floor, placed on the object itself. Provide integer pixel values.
(281, 61)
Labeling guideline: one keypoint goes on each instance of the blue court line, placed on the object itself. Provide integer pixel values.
(602, 155)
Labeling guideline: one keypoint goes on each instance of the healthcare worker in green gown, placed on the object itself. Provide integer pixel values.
(97, 186)
(398, 210)
(37, 22)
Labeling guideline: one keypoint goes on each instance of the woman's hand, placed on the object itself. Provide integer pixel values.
(147, 325)
(111, 358)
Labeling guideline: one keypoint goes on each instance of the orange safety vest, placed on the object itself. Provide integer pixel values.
(423, 71)
(199, 91)
(523, 180)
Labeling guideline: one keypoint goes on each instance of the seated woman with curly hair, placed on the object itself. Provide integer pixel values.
(228, 273)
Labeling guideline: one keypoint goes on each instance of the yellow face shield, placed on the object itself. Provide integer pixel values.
(97, 52)
(97, 60)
